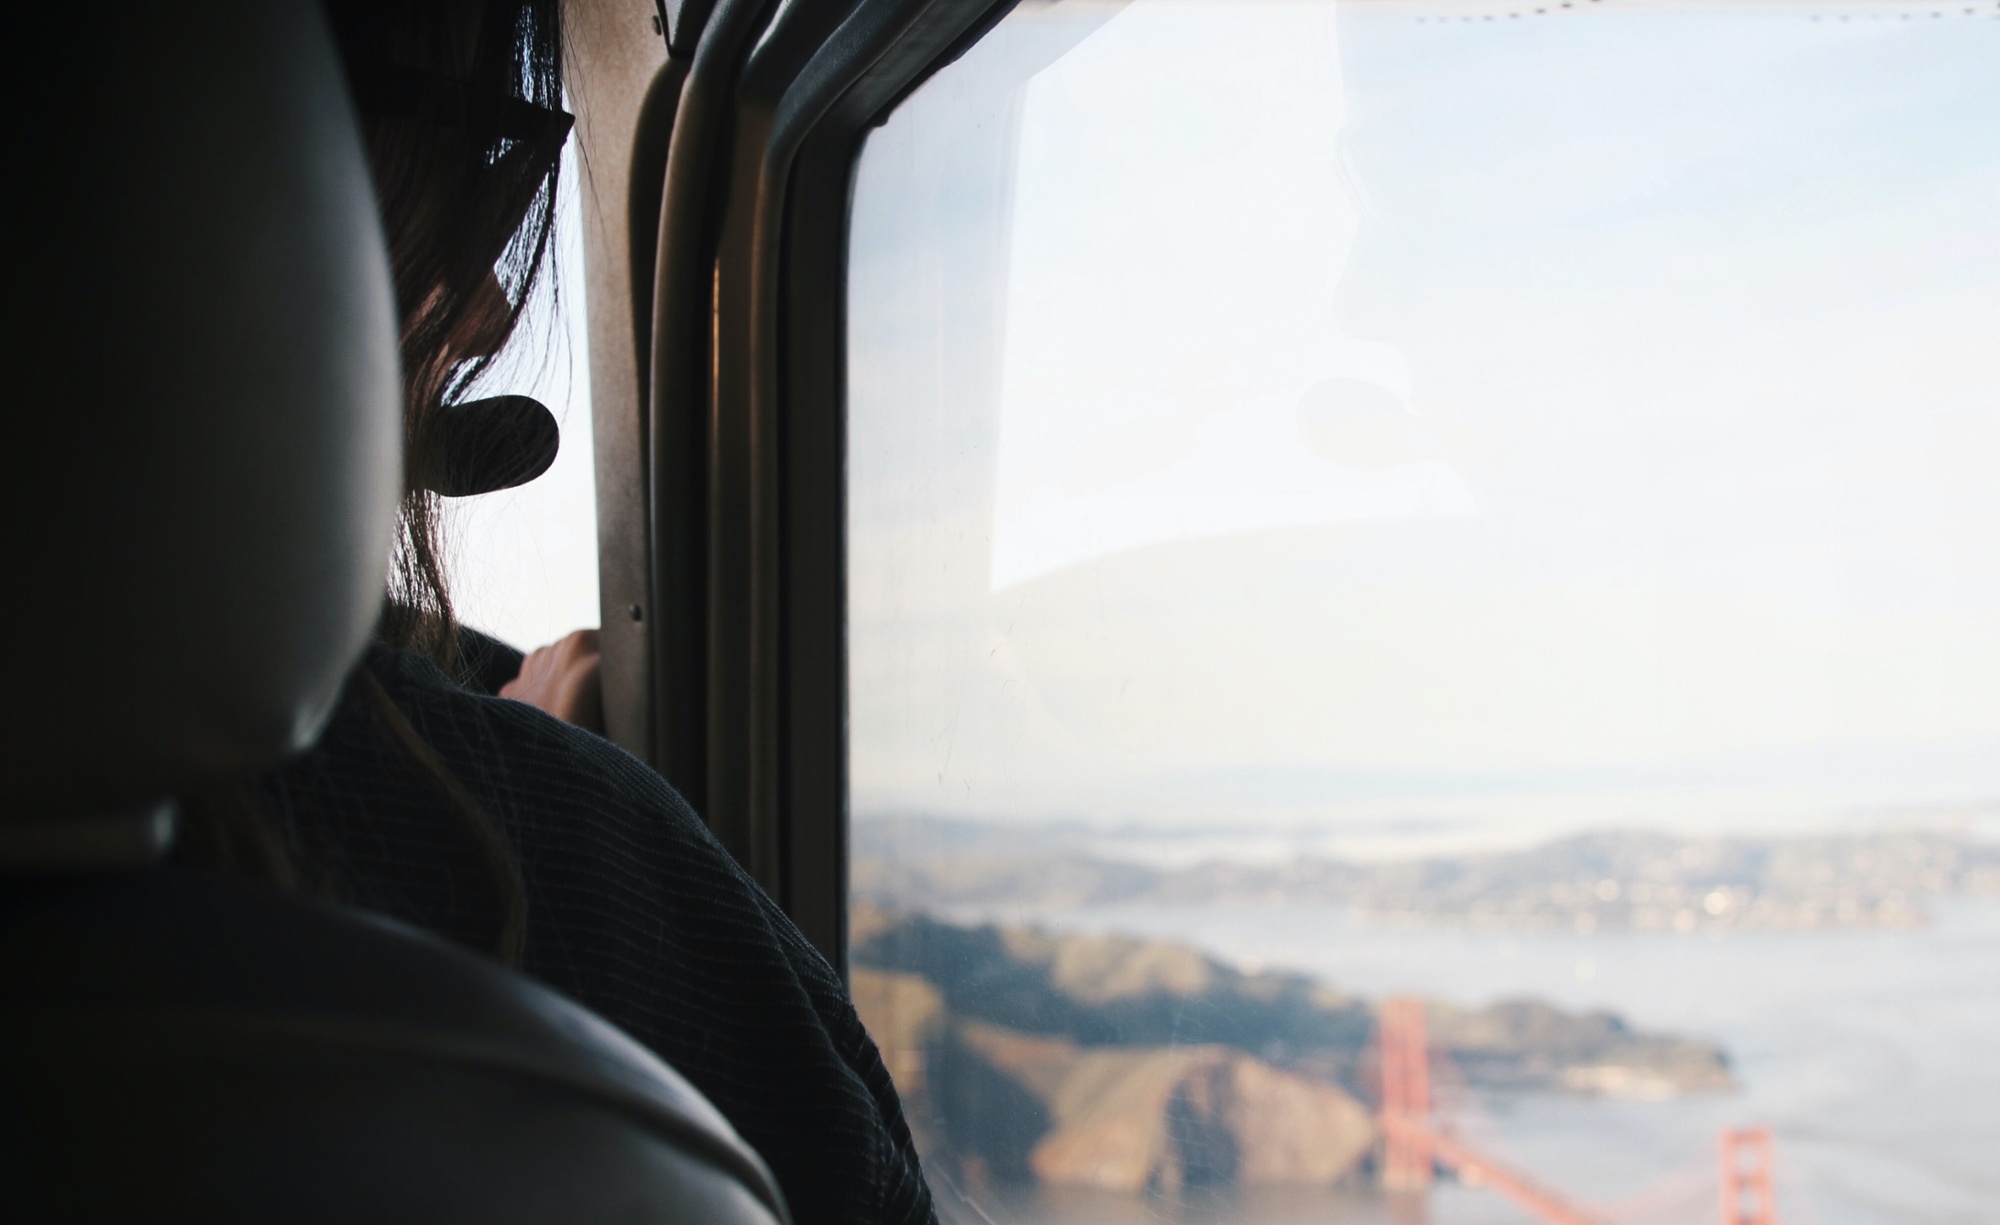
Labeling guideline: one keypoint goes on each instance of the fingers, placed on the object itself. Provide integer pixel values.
(564, 679)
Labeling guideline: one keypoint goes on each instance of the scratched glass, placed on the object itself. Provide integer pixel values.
(1424, 617)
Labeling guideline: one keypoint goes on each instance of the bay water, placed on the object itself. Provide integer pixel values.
(1874, 1057)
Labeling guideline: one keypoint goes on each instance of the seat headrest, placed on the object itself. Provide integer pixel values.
(205, 441)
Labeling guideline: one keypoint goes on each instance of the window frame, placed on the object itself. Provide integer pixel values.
(719, 144)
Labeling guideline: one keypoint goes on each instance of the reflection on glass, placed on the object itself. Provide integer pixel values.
(1365, 501)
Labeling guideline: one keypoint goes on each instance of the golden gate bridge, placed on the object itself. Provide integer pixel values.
(1416, 1143)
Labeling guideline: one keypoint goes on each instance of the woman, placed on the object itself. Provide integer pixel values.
(432, 799)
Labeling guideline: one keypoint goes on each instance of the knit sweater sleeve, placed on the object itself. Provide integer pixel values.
(633, 909)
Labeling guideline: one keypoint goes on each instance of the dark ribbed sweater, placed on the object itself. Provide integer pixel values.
(633, 910)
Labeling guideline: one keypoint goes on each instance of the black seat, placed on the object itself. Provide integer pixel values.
(200, 1049)
(202, 474)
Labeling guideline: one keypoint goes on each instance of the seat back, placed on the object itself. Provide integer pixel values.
(204, 473)
(178, 1048)
(201, 341)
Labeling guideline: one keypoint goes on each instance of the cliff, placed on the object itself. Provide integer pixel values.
(1109, 990)
(998, 1104)
(1115, 991)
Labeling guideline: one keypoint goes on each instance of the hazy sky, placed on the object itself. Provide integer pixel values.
(1282, 411)
(525, 560)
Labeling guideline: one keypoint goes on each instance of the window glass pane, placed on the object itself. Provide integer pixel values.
(1488, 506)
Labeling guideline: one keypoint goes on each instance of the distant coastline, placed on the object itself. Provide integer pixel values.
(1612, 880)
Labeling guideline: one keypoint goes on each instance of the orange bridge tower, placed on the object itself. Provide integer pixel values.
(1749, 1193)
(1406, 1096)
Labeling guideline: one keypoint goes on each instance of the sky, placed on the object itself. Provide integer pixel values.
(1291, 413)
(524, 561)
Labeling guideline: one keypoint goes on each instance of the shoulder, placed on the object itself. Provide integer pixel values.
(576, 805)
(597, 831)
(638, 912)
(499, 735)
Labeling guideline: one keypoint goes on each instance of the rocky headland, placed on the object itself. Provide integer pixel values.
(1127, 1064)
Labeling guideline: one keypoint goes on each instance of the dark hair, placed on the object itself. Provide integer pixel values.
(459, 103)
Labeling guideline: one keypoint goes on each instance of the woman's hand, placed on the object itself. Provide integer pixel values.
(563, 678)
